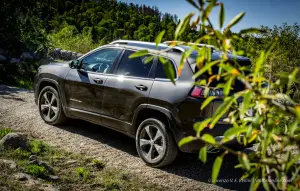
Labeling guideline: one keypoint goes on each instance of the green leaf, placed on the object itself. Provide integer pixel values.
(208, 10)
(186, 140)
(234, 21)
(207, 101)
(222, 109)
(139, 54)
(292, 78)
(199, 126)
(246, 102)
(205, 68)
(216, 168)
(245, 161)
(251, 31)
(227, 86)
(182, 25)
(203, 154)
(148, 59)
(159, 37)
(297, 111)
(168, 69)
(254, 184)
(208, 139)
(192, 2)
(221, 15)
(233, 132)
(293, 127)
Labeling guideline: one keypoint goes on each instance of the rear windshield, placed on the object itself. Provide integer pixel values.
(238, 86)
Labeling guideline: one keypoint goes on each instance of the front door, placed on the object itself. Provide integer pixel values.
(84, 86)
(124, 90)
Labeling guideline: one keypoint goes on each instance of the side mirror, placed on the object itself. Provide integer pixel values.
(74, 64)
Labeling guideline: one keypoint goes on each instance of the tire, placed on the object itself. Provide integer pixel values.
(46, 101)
(157, 149)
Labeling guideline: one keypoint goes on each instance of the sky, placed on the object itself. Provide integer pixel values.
(258, 12)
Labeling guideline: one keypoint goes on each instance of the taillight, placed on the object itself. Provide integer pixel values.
(199, 91)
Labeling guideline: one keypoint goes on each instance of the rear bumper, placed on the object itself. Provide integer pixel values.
(217, 132)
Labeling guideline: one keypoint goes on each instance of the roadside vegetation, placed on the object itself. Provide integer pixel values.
(274, 124)
(83, 25)
(61, 170)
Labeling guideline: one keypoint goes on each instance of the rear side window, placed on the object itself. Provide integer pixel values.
(160, 70)
(134, 67)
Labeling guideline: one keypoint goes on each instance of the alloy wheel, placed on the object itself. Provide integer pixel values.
(152, 143)
(49, 106)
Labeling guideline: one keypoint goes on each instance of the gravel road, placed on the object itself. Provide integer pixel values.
(19, 112)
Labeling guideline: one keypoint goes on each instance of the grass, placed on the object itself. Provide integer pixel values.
(4, 132)
(37, 147)
(36, 170)
(87, 173)
(98, 164)
(83, 173)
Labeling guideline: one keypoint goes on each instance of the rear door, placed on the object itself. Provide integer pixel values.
(126, 89)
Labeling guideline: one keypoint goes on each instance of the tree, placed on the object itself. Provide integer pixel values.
(274, 125)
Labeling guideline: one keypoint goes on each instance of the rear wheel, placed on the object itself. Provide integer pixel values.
(50, 106)
(155, 144)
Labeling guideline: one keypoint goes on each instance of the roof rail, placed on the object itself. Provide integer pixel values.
(136, 43)
(130, 41)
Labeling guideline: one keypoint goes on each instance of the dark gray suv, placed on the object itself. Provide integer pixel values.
(107, 88)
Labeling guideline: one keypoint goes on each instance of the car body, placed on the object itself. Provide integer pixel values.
(110, 92)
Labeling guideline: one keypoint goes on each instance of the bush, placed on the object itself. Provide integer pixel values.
(68, 38)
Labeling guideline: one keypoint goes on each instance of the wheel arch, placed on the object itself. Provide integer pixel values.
(53, 83)
(47, 82)
(145, 111)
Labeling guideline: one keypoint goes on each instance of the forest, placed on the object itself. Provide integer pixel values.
(82, 25)
(90, 23)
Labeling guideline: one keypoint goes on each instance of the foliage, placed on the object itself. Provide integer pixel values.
(21, 27)
(4, 132)
(68, 38)
(100, 22)
(91, 177)
(21, 75)
(98, 164)
(37, 146)
(83, 173)
(20, 154)
(274, 164)
(36, 170)
(285, 56)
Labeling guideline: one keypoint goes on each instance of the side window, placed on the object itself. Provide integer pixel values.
(101, 61)
(160, 70)
(134, 67)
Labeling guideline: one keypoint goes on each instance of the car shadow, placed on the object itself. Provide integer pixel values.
(186, 165)
(12, 93)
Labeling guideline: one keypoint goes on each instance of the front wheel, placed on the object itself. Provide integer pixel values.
(155, 144)
(50, 106)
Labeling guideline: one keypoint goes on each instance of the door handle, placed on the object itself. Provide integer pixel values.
(141, 87)
(98, 81)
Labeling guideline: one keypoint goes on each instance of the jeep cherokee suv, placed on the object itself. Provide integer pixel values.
(105, 87)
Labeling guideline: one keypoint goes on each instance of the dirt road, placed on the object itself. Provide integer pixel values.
(19, 112)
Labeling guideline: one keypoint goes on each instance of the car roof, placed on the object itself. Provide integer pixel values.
(152, 48)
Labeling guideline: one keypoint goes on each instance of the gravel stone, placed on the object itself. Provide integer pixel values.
(19, 112)
(10, 163)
